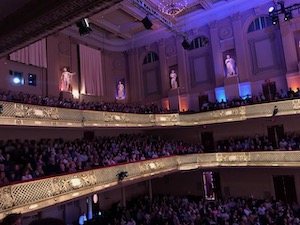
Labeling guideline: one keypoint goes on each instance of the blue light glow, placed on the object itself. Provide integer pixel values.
(220, 94)
(245, 89)
(17, 80)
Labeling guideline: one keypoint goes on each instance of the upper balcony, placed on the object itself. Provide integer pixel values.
(18, 114)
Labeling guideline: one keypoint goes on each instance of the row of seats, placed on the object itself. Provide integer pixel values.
(168, 209)
(151, 108)
(33, 159)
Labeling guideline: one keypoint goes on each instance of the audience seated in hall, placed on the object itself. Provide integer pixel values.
(34, 159)
(84, 105)
(168, 209)
(258, 143)
(141, 108)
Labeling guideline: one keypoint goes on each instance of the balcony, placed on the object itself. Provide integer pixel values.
(17, 114)
(37, 194)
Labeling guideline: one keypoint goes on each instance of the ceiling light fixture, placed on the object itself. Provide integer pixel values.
(172, 7)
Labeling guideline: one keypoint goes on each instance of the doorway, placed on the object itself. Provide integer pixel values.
(285, 188)
(207, 141)
(269, 90)
(275, 134)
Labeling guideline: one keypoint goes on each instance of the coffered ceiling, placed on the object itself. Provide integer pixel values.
(115, 23)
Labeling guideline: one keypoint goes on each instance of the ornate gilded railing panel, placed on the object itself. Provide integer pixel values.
(34, 115)
(32, 195)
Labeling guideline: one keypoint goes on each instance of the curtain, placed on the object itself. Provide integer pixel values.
(90, 71)
(34, 54)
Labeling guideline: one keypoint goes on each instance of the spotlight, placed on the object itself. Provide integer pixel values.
(271, 9)
(275, 20)
(288, 15)
(17, 80)
(121, 175)
(186, 45)
(147, 23)
(84, 27)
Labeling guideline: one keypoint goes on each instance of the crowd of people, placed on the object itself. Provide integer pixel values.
(151, 108)
(289, 141)
(33, 159)
(187, 210)
(21, 97)
(249, 100)
(190, 210)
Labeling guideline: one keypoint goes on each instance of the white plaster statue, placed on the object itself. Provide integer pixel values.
(66, 78)
(121, 90)
(173, 77)
(230, 66)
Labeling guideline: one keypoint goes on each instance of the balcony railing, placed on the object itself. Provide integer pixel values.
(36, 194)
(34, 115)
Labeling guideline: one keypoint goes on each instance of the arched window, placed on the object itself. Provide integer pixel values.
(199, 42)
(150, 58)
(260, 24)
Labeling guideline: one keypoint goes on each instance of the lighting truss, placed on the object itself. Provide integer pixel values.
(287, 11)
(148, 9)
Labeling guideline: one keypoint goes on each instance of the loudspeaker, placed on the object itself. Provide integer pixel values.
(186, 45)
(147, 23)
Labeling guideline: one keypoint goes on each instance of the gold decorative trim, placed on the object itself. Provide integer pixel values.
(28, 196)
(31, 115)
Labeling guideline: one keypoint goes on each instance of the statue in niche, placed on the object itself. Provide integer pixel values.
(66, 79)
(230, 66)
(121, 90)
(173, 76)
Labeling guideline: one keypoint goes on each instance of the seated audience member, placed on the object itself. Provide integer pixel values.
(12, 219)
(3, 179)
(26, 175)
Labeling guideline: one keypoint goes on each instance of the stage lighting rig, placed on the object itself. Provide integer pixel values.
(286, 11)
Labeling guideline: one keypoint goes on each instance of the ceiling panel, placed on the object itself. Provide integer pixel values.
(119, 18)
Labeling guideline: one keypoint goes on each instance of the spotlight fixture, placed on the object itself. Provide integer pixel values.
(275, 20)
(147, 23)
(185, 44)
(121, 175)
(288, 15)
(287, 11)
(84, 27)
(271, 9)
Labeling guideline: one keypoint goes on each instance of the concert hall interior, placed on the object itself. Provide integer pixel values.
(150, 111)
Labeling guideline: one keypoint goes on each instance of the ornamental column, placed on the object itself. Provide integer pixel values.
(239, 47)
(217, 54)
(134, 76)
(288, 43)
(163, 68)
